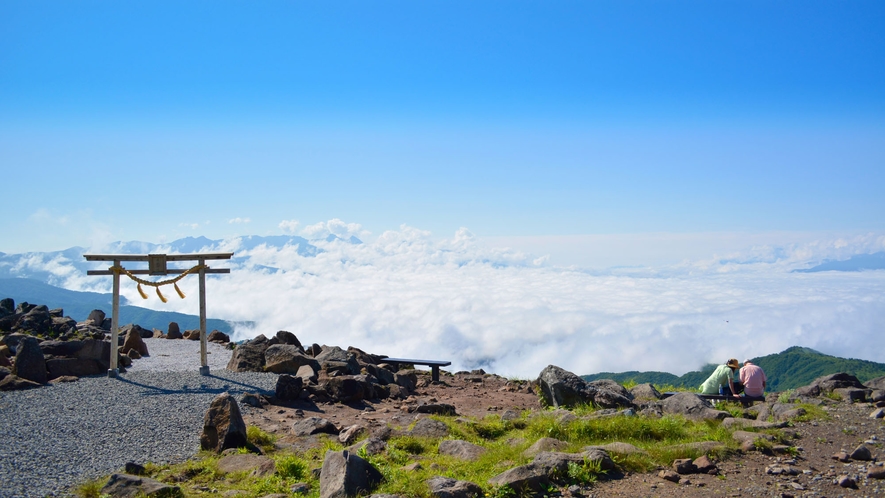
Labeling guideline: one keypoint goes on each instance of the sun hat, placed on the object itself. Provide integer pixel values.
(733, 363)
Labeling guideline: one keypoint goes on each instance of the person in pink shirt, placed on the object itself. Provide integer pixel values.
(753, 379)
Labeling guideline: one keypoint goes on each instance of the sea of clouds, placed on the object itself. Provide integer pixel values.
(407, 293)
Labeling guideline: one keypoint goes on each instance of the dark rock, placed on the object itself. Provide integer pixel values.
(691, 406)
(96, 317)
(372, 445)
(810, 391)
(427, 427)
(218, 336)
(174, 331)
(563, 388)
(344, 475)
(16, 383)
(29, 362)
(545, 444)
(446, 487)
(249, 356)
(60, 348)
(289, 338)
(841, 380)
(363, 357)
(7, 306)
(436, 408)
(313, 425)
(252, 399)
(255, 465)
(704, 464)
(852, 395)
(460, 449)
(876, 473)
(524, 479)
(347, 389)
(876, 384)
(130, 486)
(847, 482)
(333, 358)
(287, 358)
(134, 339)
(683, 466)
(862, 453)
(77, 367)
(669, 475)
(223, 425)
(135, 469)
(288, 387)
(645, 392)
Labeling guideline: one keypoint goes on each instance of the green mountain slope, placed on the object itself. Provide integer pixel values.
(78, 305)
(789, 369)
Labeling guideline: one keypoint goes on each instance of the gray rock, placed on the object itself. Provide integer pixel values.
(223, 425)
(256, 465)
(333, 358)
(129, 486)
(287, 358)
(862, 453)
(249, 356)
(878, 413)
(691, 406)
(174, 331)
(460, 449)
(561, 388)
(349, 434)
(545, 444)
(524, 479)
(344, 475)
(852, 394)
(348, 388)
(876, 384)
(683, 466)
(372, 445)
(289, 338)
(16, 383)
(313, 425)
(427, 427)
(445, 487)
(29, 362)
(436, 408)
(645, 392)
(288, 387)
(308, 374)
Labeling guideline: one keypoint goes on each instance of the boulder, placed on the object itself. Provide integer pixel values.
(37, 321)
(223, 425)
(174, 331)
(427, 427)
(372, 445)
(560, 387)
(192, 335)
(96, 317)
(364, 358)
(256, 465)
(7, 306)
(60, 348)
(313, 425)
(691, 406)
(76, 367)
(683, 466)
(852, 394)
(645, 392)
(335, 359)
(97, 350)
(349, 434)
(288, 338)
(841, 380)
(130, 486)
(16, 383)
(524, 479)
(348, 389)
(308, 374)
(288, 387)
(862, 453)
(545, 444)
(29, 362)
(876, 384)
(610, 385)
(446, 487)
(218, 336)
(460, 449)
(134, 340)
(249, 356)
(345, 474)
(287, 358)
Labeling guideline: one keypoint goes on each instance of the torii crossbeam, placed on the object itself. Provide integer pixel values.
(157, 266)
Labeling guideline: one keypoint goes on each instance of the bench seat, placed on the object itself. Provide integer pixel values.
(433, 364)
(744, 400)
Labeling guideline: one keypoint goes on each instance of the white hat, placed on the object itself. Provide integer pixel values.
(747, 361)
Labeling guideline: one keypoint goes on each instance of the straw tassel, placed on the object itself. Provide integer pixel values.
(180, 294)
(141, 291)
(161, 296)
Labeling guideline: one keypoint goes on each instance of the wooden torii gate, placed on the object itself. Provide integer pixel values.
(157, 266)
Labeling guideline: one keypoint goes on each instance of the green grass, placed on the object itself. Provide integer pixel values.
(660, 441)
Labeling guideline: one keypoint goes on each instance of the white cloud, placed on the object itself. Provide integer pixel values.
(289, 226)
(407, 294)
(238, 221)
(335, 227)
(192, 226)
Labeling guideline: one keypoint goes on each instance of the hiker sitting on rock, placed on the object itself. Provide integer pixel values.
(715, 384)
(753, 379)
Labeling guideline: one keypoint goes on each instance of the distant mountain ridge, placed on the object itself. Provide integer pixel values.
(859, 262)
(77, 305)
(794, 367)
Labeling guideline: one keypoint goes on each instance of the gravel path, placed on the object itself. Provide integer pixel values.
(57, 436)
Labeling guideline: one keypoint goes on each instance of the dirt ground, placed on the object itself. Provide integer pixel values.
(743, 475)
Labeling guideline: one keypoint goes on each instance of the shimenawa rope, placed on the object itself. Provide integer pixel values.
(157, 285)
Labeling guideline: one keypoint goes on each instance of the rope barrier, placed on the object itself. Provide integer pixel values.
(174, 281)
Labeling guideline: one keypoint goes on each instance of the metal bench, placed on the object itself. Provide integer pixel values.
(744, 400)
(433, 364)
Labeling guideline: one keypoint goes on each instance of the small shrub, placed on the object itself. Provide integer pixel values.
(89, 489)
(785, 396)
(290, 466)
(260, 438)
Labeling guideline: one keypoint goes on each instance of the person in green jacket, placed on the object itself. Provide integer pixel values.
(724, 374)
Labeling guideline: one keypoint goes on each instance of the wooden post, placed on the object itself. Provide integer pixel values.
(115, 323)
(204, 362)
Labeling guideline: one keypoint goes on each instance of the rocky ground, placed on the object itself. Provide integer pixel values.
(811, 472)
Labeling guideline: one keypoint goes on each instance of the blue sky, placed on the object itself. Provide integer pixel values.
(152, 121)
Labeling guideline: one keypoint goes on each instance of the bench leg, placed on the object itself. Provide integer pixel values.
(434, 373)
